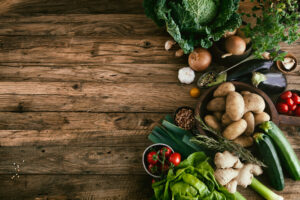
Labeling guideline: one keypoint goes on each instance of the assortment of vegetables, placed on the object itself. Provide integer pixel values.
(289, 103)
(233, 120)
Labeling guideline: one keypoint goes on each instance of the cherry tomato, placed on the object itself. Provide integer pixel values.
(165, 151)
(293, 107)
(296, 98)
(152, 157)
(282, 107)
(153, 181)
(297, 111)
(285, 95)
(152, 168)
(289, 101)
(175, 159)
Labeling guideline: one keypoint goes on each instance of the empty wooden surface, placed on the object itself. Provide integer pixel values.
(81, 85)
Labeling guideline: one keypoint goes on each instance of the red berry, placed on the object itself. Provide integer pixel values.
(289, 101)
(296, 98)
(293, 107)
(285, 95)
(297, 111)
(282, 107)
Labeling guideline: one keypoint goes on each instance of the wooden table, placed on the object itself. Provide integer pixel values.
(81, 85)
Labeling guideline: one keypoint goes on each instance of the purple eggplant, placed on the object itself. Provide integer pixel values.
(269, 82)
(248, 67)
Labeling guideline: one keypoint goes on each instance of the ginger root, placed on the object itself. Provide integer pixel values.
(231, 172)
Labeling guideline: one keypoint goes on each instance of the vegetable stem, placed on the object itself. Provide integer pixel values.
(239, 196)
(265, 192)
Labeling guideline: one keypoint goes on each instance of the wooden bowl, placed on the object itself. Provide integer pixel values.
(281, 67)
(239, 86)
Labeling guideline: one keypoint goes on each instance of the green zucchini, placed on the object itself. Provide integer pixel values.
(285, 151)
(269, 156)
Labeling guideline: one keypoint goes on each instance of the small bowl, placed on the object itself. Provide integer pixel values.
(156, 146)
(281, 67)
(178, 109)
(218, 51)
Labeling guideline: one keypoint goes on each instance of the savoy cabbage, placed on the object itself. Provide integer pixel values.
(194, 22)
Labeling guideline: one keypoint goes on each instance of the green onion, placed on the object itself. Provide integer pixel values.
(264, 191)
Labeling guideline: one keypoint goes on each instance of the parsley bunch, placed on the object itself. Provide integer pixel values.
(277, 21)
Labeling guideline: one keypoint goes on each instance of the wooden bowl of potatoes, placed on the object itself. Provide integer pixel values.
(234, 109)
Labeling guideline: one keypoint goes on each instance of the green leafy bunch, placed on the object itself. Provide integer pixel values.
(276, 21)
(194, 23)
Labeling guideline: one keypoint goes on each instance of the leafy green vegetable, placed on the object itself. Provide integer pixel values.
(278, 22)
(194, 22)
(193, 179)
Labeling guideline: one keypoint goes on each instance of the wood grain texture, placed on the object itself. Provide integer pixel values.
(93, 97)
(80, 49)
(105, 25)
(78, 121)
(79, 187)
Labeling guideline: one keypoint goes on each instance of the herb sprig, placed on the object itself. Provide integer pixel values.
(221, 144)
(276, 21)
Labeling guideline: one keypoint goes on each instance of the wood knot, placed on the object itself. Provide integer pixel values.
(147, 44)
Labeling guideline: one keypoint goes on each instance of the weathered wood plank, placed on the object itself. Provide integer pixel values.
(105, 25)
(78, 121)
(80, 49)
(117, 138)
(72, 160)
(76, 187)
(136, 73)
(93, 97)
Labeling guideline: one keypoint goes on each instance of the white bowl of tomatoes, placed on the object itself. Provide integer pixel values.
(288, 103)
(159, 158)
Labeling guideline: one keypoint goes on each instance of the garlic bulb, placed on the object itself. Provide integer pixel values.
(186, 75)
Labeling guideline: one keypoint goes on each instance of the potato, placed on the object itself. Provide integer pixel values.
(235, 129)
(225, 120)
(245, 92)
(244, 141)
(216, 104)
(218, 115)
(235, 106)
(212, 121)
(224, 89)
(249, 118)
(254, 103)
(261, 117)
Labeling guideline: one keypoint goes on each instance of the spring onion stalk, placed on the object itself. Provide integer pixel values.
(239, 196)
(265, 192)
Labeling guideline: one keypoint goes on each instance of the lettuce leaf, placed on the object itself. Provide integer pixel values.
(192, 179)
(194, 23)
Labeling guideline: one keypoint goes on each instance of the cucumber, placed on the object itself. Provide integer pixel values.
(269, 156)
(285, 151)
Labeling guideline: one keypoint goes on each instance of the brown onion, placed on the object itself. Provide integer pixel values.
(235, 45)
(199, 59)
